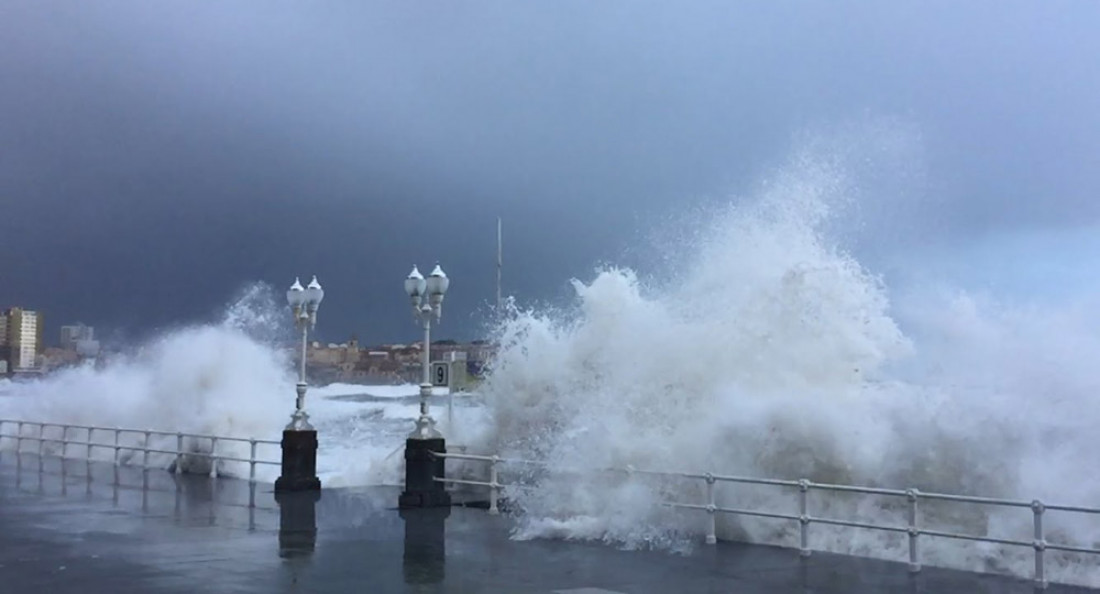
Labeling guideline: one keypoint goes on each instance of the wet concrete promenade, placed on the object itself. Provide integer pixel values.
(73, 529)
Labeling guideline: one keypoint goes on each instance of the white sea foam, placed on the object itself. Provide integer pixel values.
(774, 353)
(222, 379)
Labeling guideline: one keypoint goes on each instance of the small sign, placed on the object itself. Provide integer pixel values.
(441, 374)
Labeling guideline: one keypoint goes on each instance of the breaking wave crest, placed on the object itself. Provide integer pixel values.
(774, 353)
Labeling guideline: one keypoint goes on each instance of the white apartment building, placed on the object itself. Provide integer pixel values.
(22, 337)
(71, 336)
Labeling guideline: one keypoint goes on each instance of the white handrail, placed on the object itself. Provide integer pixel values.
(149, 431)
(911, 527)
(143, 446)
(805, 487)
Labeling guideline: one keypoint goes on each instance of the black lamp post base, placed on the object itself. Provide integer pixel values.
(299, 467)
(422, 467)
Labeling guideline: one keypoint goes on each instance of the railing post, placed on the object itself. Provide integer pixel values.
(145, 451)
(118, 448)
(913, 496)
(252, 461)
(179, 453)
(145, 492)
(712, 511)
(1040, 545)
(19, 437)
(41, 440)
(64, 443)
(64, 483)
(494, 486)
(91, 434)
(803, 518)
(213, 457)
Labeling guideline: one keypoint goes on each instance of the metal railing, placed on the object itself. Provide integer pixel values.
(63, 481)
(39, 434)
(911, 526)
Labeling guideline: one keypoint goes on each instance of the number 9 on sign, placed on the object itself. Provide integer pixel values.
(441, 374)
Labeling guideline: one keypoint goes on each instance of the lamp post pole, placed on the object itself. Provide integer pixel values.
(425, 424)
(300, 403)
(422, 464)
(299, 465)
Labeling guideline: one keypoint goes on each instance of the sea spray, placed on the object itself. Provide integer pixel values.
(233, 377)
(215, 379)
(776, 354)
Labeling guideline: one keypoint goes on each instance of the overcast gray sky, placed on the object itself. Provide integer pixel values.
(156, 156)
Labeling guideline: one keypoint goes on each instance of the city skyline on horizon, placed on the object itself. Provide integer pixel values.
(53, 333)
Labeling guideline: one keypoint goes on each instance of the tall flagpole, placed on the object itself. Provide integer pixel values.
(500, 265)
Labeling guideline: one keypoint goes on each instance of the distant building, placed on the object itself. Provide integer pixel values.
(56, 358)
(71, 335)
(87, 349)
(22, 338)
(452, 356)
(5, 350)
(344, 355)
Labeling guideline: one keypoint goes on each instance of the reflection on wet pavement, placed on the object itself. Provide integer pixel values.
(79, 527)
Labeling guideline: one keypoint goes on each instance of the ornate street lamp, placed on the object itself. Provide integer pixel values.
(427, 305)
(304, 303)
(299, 465)
(425, 446)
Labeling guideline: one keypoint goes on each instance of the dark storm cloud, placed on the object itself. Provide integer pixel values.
(155, 156)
